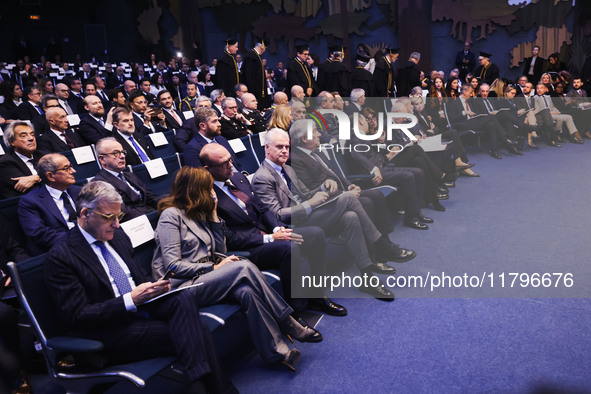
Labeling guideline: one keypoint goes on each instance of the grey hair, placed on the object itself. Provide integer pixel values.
(193, 74)
(274, 132)
(298, 130)
(356, 94)
(226, 100)
(203, 98)
(47, 164)
(95, 192)
(46, 98)
(215, 94)
(9, 131)
(415, 55)
(322, 97)
(416, 91)
(101, 142)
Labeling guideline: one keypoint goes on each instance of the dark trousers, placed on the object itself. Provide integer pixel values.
(415, 156)
(410, 183)
(487, 123)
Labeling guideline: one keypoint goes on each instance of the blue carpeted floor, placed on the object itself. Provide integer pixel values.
(525, 214)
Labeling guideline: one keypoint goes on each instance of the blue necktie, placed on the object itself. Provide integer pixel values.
(287, 179)
(39, 109)
(139, 150)
(119, 276)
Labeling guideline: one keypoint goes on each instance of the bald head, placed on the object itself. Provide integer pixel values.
(218, 161)
(280, 98)
(57, 118)
(249, 101)
(297, 92)
(128, 86)
(94, 105)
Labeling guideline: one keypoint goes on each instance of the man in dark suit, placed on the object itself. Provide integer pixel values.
(146, 119)
(92, 125)
(101, 91)
(133, 142)
(384, 74)
(86, 72)
(251, 227)
(31, 106)
(145, 86)
(117, 79)
(62, 91)
(277, 186)
(174, 118)
(17, 167)
(75, 98)
(533, 66)
(137, 198)
(409, 76)
(208, 130)
(462, 117)
(299, 72)
(465, 61)
(48, 212)
(97, 286)
(59, 138)
(254, 75)
(40, 122)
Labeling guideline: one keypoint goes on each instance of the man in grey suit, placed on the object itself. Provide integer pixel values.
(342, 215)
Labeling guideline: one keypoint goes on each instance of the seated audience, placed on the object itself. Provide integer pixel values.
(147, 120)
(234, 124)
(97, 285)
(92, 125)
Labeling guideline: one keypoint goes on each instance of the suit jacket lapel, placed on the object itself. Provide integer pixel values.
(225, 202)
(84, 251)
(201, 232)
(47, 201)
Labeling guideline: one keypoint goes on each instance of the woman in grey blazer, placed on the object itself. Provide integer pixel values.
(190, 241)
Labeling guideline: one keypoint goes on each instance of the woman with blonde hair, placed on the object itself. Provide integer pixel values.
(498, 87)
(281, 118)
(190, 244)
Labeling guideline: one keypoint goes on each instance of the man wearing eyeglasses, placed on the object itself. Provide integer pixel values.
(234, 125)
(48, 212)
(93, 278)
(137, 198)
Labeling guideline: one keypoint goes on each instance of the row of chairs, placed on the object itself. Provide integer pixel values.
(225, 321)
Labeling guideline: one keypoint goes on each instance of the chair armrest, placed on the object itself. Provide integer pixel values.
(74, 345)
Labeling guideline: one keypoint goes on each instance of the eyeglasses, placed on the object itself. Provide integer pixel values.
(110, 216)
(223, 165)
(116, 153)
(67, 168)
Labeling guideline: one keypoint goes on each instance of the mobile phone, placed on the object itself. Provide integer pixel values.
(169, 273)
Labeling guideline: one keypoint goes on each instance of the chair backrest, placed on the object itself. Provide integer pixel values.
(257, 144)
(247, 158)
(85, 170)
(32, 292)
(163, 150)
(9, 211)
(160, 185)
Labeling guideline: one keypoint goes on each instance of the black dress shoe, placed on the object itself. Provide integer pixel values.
(438, 207)
(494, 153)
(449, 184)
(402, 255)
(382, 268)
(443, 189)
(514, 150)
(415, 223)
(554, 144)
(291, 358)
(460, 168)
(326, 305)
(576, 140)
(379, 292)
(300, 330)
(442, 196)
(424, 219)
(473, 174)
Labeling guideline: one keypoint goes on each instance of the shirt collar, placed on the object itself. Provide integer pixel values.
(89, 238)
(55, 193)
(276, 167)
(306, 151)
(115, 174)
(221, 185)
(23, 157)
(209, 141)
